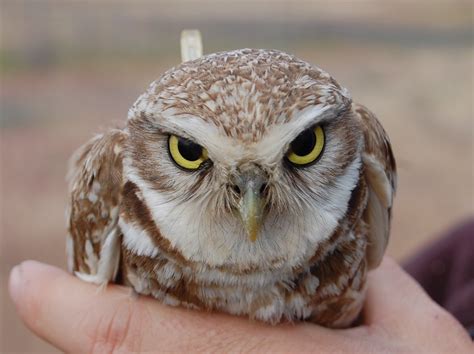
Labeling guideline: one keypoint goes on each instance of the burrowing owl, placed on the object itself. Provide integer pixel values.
(246, 182)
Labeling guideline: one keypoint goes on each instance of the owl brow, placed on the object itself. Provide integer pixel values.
(164, 130)
(191, 129)
(325, 120)
(329, 118)
(151, 124)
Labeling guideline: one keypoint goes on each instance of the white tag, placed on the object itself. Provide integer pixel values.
(191, 45)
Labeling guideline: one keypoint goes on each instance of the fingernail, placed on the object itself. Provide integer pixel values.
(14, 285)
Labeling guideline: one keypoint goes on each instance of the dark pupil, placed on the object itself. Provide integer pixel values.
(189, 150)
(304, 143)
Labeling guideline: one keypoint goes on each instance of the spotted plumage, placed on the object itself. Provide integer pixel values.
(243, 229)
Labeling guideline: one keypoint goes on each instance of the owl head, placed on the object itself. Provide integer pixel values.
(246, 158)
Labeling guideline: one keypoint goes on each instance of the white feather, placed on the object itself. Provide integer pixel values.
(106, 268)
(137, 240)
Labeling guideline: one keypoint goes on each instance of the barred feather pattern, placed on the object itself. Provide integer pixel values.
(327, 289)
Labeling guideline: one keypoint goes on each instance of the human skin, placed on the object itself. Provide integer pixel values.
(75, 316)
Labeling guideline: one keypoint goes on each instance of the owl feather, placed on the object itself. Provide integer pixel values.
(96, 193)
(380, 174)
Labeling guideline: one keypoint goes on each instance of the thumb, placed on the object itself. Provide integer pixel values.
(70, 314)
(393, 294)
(75, 317)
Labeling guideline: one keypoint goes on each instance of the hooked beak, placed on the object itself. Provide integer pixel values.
(251, 202)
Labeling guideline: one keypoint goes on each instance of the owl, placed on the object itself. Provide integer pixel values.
(245, 182)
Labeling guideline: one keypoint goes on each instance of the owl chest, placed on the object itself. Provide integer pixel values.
(329, 290)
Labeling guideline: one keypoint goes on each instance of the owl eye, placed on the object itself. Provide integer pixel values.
(307, 147)
(185, 153)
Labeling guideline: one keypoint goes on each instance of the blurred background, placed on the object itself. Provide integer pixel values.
(70, 69)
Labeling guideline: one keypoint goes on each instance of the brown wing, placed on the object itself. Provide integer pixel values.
(381, 177)
(95, 184)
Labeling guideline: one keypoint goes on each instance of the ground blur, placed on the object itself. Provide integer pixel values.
(71, 69)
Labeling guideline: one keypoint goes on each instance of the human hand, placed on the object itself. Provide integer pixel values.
(75, 317)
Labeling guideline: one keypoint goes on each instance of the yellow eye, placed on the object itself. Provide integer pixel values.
(307, 147)
(185, 153)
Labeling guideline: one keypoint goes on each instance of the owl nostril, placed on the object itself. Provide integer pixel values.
(236, 189)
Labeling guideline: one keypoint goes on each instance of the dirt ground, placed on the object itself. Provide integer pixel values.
(421, 91)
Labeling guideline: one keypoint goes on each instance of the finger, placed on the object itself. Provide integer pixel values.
(391, 292)
(75, 316)
(393, 295)
(63, 310)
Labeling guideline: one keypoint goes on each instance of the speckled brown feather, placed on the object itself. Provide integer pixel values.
(377, 143)
(95, 183)
(242, 92)
(381, 175)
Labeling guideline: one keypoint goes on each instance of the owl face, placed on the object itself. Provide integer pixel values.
(246, 159)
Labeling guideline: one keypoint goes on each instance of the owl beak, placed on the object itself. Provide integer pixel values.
(251, 204)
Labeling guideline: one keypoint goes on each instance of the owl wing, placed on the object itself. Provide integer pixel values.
(381, 176)
(95, 186)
